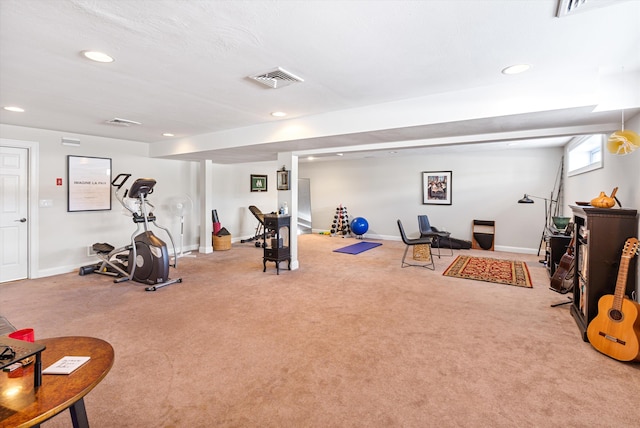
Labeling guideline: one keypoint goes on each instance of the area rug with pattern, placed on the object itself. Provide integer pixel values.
(508, 272)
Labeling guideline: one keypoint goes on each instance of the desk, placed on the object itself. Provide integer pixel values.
(32, 406)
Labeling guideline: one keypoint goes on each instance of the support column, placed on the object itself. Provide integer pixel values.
(205, 181)
(290, 162)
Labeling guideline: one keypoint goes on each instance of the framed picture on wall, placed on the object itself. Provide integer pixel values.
(436, 187)
(88, 183)
(283, 180)
(258, 183)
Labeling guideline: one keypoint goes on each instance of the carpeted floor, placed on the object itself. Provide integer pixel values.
(344, 341)
(510, 272)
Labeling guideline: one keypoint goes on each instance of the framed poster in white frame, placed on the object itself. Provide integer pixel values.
(88, 183)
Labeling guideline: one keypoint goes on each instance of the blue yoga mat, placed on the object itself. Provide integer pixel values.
(357, 248)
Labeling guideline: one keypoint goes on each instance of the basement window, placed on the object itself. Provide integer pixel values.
(585, 154)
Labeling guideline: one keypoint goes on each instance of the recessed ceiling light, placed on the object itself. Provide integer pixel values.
(168, 134)
(516, 69)
(14, 109)
(310, 158)
(278, 114)
(339, 154)
(97, 56)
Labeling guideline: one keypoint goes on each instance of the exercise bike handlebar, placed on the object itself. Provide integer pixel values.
(119, 181)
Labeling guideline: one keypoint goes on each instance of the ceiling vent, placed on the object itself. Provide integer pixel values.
(122, 122)
(278, 78)
(74, 142)
(567, 7)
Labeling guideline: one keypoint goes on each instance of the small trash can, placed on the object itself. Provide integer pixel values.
(221, 243)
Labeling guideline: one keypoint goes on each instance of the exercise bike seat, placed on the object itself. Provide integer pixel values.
(103, 248)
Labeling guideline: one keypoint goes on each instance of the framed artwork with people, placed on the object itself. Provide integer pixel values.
(436, 187)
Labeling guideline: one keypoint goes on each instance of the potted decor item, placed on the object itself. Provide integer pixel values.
(604, 201)
(561, 223)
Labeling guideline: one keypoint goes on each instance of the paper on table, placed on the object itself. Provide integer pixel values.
(66, 365)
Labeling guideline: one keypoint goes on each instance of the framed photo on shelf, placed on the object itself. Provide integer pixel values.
(283, 180)
(258, 183)
(88, 183)
(436, 187)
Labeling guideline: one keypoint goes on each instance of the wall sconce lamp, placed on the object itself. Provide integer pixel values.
(283, 178)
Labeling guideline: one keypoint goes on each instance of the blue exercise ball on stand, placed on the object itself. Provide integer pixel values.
(359, 226)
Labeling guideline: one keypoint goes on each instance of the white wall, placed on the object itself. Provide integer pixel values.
(485, 185)
(232, 196)
(64, 237)
(622, 172)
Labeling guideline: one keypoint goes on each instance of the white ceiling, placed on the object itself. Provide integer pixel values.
(379, 76)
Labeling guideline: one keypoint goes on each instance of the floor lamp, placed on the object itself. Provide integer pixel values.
(548, 207)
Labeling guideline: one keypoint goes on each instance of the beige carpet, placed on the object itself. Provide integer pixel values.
(341, 342)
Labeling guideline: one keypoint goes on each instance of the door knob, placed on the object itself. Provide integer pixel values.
(22, 220)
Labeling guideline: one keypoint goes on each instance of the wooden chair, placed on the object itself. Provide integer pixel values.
(410, 242)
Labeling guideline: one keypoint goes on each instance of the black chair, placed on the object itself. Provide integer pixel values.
(426, 231)
(410, 242)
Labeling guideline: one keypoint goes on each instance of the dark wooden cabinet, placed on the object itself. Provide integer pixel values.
(555, 247)
(277, 229)
(600, 237)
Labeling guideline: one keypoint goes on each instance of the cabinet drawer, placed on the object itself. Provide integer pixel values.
(276, 253)
(271, 223)
(274, 222)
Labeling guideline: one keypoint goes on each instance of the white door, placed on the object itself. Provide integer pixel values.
(14, 207)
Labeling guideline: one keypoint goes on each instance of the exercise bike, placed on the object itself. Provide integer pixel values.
(146, 259)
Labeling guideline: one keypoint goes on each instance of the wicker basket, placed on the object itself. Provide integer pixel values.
(422, 252)
(221, 243)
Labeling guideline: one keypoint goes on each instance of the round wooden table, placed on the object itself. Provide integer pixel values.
(29, 406)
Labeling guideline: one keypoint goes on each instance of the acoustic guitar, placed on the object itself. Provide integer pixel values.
(615, 331)
(564, 272)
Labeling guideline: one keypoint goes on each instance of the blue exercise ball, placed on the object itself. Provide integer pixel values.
(359, 225)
